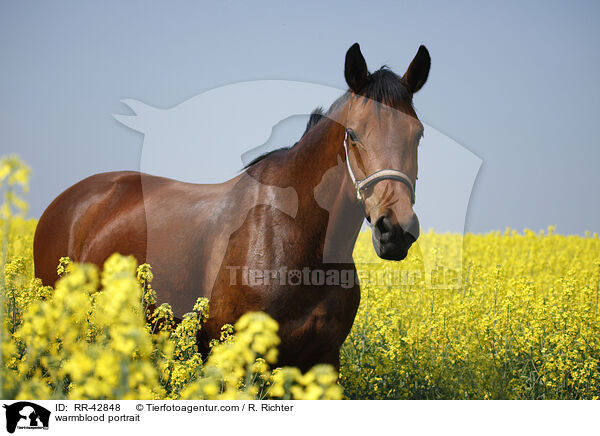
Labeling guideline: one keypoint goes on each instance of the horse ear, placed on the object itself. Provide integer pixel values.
(418, 70)
(355, 69)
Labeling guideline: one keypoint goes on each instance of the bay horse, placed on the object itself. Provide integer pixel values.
(277, 238)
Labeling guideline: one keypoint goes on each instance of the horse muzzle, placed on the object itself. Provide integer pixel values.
(392, 240)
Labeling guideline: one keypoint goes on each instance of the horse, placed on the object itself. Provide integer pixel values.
(277, 238)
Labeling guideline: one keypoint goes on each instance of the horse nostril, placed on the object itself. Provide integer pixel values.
(389, 231)
(380, 226)
(385, 228)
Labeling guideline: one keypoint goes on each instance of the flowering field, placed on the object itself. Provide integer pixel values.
(523, 322)
(515, 317)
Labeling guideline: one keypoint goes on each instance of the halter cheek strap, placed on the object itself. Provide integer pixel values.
(376, 177)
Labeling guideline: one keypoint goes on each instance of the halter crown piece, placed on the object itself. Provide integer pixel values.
(376, 177)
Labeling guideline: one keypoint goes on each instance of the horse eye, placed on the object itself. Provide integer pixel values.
(352, 135)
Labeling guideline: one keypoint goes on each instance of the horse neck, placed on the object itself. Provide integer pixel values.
(320, 167)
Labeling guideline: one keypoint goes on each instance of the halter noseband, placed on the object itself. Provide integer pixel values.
(376, 177)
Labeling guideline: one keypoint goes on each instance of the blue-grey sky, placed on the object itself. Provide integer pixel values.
(516, 83)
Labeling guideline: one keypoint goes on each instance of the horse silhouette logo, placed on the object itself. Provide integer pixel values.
(24, 414)
(208, 138)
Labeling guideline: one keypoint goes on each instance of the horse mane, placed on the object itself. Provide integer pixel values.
(315, 116)
(383, 86)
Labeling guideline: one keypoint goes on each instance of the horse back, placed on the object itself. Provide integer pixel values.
(76, 224)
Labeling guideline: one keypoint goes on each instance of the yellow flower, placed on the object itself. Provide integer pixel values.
(501, 315)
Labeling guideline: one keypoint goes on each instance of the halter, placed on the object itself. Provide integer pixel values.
(376, 177)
